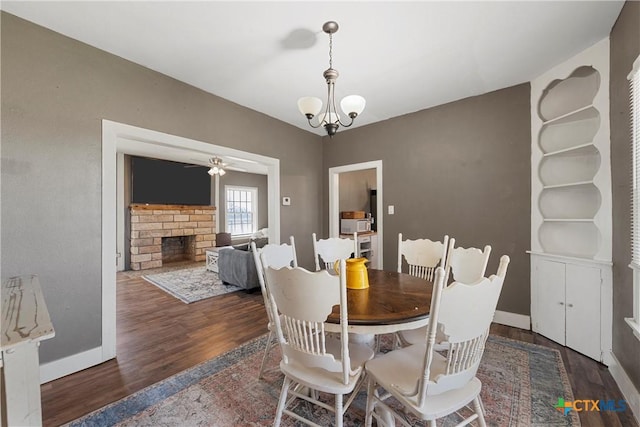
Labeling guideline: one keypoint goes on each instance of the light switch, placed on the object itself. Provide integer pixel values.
(390, 209)
(286, 201)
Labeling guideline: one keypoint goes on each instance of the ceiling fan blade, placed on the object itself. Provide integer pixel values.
(234, 168)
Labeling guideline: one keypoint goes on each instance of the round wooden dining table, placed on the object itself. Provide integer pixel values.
(393, 302)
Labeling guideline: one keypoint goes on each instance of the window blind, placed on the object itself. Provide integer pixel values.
(634, 81)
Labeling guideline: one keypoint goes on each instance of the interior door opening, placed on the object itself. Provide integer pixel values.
(363, 185)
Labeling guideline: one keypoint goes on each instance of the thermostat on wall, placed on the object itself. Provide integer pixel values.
(286, 201)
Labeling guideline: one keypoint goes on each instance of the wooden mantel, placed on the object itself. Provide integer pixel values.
(146, 206)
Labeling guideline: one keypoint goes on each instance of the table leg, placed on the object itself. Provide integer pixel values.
(367, 339)
(22, 385)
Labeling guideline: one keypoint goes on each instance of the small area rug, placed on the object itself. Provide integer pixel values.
(521, 384)
(191, 284)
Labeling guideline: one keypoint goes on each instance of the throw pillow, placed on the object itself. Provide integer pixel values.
(242, 247)
(261, 242)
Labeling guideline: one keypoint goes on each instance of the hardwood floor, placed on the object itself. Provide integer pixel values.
(589, 379)
(159, 336)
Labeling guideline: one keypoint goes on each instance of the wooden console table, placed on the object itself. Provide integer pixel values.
(25, 322)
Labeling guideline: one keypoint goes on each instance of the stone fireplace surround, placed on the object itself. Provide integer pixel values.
(150, 223)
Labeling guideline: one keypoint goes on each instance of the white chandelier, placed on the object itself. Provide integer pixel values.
(216, 166)
(351, 105)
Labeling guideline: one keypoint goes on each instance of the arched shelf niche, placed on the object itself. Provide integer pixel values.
(563, 97)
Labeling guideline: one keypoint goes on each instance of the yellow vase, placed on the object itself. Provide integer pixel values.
(357, 276)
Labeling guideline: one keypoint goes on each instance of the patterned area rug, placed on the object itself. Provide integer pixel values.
(521, 384)
(191, 284)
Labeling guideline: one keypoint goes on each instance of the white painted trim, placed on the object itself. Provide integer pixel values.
(216, 201)
(120, 244)
(583, 261)
(68, 365)
(635, 326)
(630, 393)
(512, 319)
(334, 200)
(126, 139)
(607, 357)
(109, 232)
(634, 322)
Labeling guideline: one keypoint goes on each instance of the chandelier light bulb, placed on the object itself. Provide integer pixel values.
(309, 106)
(331, 118)
(353, 105)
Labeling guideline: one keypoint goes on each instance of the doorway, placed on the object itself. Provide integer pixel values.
(119, 139)
(334, 201)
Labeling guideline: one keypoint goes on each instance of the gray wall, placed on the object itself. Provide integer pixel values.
(625, 48)
(354, 190)
(461, 169)
(243, 179)
(55, 92)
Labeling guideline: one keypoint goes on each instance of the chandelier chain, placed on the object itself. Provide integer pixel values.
(330, 50)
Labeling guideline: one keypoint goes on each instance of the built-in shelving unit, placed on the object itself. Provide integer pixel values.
(570, 198)
(571, 203)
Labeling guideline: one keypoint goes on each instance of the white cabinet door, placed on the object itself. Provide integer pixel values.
(583, 309)
(551, 300)
(374, 252)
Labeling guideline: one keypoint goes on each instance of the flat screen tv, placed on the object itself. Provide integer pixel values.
(169, 183)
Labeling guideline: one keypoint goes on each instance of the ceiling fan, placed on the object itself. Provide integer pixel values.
(217, 166)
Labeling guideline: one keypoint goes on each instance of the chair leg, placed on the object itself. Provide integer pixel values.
(339, 410)
(432, 423)
(283, 400)
(267, 349)
(369, 410)
(477, 406)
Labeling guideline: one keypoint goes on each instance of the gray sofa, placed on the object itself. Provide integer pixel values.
(236, 265)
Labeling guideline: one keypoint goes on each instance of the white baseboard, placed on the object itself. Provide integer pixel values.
(512, 319)
(59, 368)
(630, 393)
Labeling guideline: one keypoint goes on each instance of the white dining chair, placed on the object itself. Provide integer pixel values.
(466, 265)
(276, 256)
(415, 336)
(333, 249)
(423, 256)
(428, 384)
(312, 359)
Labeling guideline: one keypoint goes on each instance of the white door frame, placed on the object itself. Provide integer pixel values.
(119, 138)
(334, 199)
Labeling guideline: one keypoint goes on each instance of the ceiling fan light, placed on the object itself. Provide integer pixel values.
(221, 171)
(309, 106)
(211, 172)
(353, 104)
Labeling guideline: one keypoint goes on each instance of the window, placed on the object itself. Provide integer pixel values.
(241, 214)
(634, 79)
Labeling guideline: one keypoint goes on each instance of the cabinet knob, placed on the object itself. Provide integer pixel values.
(561, 303)
(569, 305)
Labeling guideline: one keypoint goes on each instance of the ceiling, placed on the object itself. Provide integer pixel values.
(401, 56)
